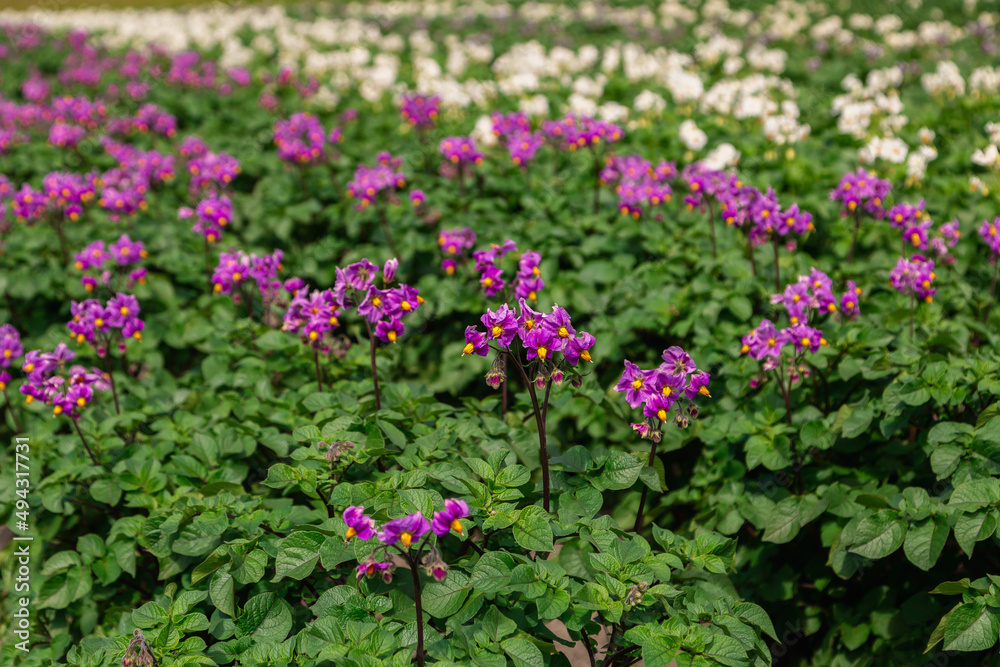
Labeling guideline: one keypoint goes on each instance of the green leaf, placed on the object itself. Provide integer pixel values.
(496, 625)
(925, 540)
(444, 598)
(265, 617)
(522, 652)
(297, 555)
(103, 491)
(858, 422)
(532, 529)
(879, 534)
(783, 522)
(620, 471)
(149, 615)
(971, 627)
(514, 475)
(952, 587)
(490, 574)
(755, 615)
(222, 591)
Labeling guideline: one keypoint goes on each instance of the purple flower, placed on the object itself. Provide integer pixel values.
(658, 406)
(126, 251)
(10, 345)
(371, 567)
(677, 361)
(540, 343)
(578, 348)
(803, 337)
(698, 385)
(388, 331)
(501, 325)
(990, 231)
(633, 383)
(447, 519)
(559, 325)
(359, 524)
(475, 341)
(375, 305)
(405, 530)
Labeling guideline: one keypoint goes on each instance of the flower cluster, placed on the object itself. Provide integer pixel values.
(862, 191)
(102, 325)
(368, 182)
(384, 307)
(420, 111)
(572, 132)
(122, 254)
(990, 232)
(514, 130)
(10, 351)
(236, 269)
(67, 391)
(914, 276)
(211, 215)
(211, 171)
(312, 314)
(300, 139)
(814, 294)
(548, 340)
(487, 265)
(461, 151)
(638, 183)
(408, 531)
(744, 206)
(69, 192)
(676, 381)
(454, 243)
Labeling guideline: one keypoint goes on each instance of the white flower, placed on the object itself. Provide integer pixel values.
(721, 157)
(691, 136)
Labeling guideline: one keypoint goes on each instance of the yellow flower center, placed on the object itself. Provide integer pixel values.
(662, 414)
(667, 391)
(637, 383)
(585, 355)
(497, 331)
(542, 353)
(406, 538)
(376, 302)
(351, 532)
(805, 341)
(405, 305)
(391, 336)
(704, 392)
(456, 525)
(771, 342)
(123, 310)
(469, 347)
(563, 333)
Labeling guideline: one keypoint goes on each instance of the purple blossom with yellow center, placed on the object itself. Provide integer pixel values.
(501, 325)
(359, 524)
(406, 530)
(448, 519)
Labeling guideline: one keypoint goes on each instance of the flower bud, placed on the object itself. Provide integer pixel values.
(557, 377)
(576, 381)
(496, 375)
(540, 381)
(389, 270)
